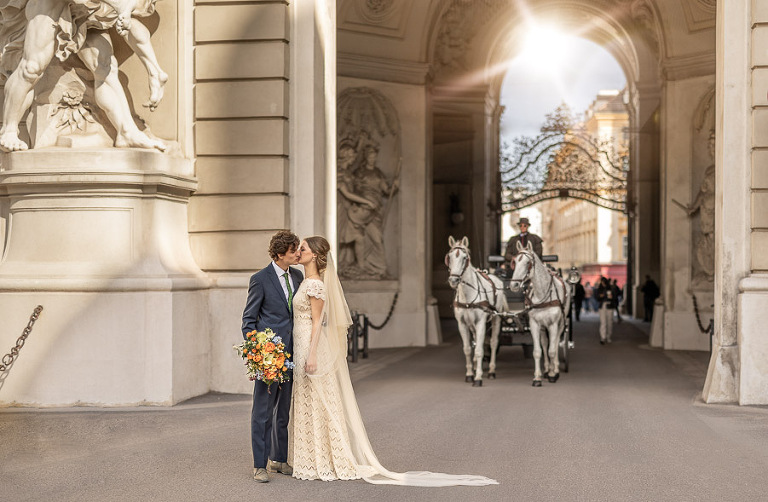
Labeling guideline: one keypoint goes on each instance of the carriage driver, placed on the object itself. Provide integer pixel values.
(524, 237)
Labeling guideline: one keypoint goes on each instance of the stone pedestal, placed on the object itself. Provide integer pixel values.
(753, 341)
(99, 238)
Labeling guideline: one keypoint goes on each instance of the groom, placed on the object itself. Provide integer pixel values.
(270, 305)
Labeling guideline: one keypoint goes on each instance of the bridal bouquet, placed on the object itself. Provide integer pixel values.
(265, 357)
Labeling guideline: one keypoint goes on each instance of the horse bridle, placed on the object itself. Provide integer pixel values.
(484, 305)
(525, 285)
(466, 262)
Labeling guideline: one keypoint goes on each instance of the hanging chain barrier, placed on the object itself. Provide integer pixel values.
(360, 327)
(389, 315)
(9, 358)
(710, 330)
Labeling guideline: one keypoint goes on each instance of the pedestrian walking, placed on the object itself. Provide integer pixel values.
(650, 292)
(588, 292)
(578, 299)
(606, 298)
(618, 295)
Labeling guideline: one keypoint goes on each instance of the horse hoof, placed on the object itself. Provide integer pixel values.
(469, 379)
(553, 379)
(537, 383)
(477, 383)
(491, 376)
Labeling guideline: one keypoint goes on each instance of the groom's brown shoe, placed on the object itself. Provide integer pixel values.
(281, 467)
(260, 474)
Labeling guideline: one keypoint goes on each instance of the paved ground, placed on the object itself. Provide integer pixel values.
(624, 424)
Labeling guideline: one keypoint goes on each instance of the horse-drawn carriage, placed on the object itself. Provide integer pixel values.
(515, 326)
(524, 307)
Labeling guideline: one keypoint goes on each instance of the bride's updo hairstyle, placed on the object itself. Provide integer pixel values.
(321, 248)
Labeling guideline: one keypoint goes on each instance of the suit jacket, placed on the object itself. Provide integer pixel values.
(535, 240)
(267, 306)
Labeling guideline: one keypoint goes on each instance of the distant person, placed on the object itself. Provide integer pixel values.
(618, 294)
(606, 298)
(578, 299)
(524, 237)
(650, 292)
(588, 292)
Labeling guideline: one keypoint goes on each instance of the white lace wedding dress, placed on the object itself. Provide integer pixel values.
(317, 442)
(327, 437)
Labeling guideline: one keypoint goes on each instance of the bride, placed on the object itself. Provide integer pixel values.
(328, 440)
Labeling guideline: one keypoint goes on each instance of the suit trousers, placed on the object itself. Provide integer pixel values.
(606, 322)
(269, 422)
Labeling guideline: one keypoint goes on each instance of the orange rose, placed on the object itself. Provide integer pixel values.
(258, 346)
(257, 358)
(250, 356)
(279, 363)
(269, 347)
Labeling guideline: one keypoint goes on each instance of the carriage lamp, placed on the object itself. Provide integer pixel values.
(574, 275)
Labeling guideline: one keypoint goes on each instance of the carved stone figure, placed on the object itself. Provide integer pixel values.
(33, 32)
(372, 187)
(704, 204)
(367, 181)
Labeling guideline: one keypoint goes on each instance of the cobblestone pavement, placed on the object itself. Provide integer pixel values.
(625, 423)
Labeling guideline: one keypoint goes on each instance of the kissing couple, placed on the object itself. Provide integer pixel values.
(310, 427)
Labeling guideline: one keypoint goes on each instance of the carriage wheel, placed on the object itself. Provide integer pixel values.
(563, 347)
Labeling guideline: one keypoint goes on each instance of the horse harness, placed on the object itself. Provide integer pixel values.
(557, 302)
(484, 304)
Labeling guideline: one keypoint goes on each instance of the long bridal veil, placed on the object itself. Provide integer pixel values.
(331, 350)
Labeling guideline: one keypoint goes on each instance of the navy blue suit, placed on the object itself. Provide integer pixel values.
(267, 307)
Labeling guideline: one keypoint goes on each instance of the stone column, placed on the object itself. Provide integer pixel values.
(265, 133)
(737, 266)
(644, 160)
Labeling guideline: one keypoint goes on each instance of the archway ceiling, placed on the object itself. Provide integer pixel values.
(410, 32)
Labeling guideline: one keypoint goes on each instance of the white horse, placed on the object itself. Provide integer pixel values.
(547, 300)
(478, 296)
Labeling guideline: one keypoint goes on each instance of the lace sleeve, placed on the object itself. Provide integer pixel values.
(316, 288)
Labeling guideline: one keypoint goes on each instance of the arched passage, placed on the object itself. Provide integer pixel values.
(469, 49)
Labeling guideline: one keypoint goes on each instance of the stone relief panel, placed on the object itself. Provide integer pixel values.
(380, 17)
(702, 206)
(61, 55)
(369, 164)
(700, 14)
(458, 26)
(643, 14)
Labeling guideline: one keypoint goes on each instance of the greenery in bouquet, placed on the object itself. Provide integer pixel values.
(265, 357)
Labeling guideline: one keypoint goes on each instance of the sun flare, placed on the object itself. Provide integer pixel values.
(546, 44)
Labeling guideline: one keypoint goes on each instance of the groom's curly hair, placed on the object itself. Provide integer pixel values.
(283, 242)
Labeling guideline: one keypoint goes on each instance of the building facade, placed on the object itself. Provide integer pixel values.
(141, 258)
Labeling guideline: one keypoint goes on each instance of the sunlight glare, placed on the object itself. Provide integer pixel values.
(546, 44)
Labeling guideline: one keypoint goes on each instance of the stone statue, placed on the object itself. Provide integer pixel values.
(368, 194)
(369, 132)
(34, 31)
(704, 204)
(349, 204)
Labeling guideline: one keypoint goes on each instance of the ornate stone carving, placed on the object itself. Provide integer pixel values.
(708, 5)
(458, 26)
(703, 205)
(643, 14)
(76, 101)
(368, 179)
